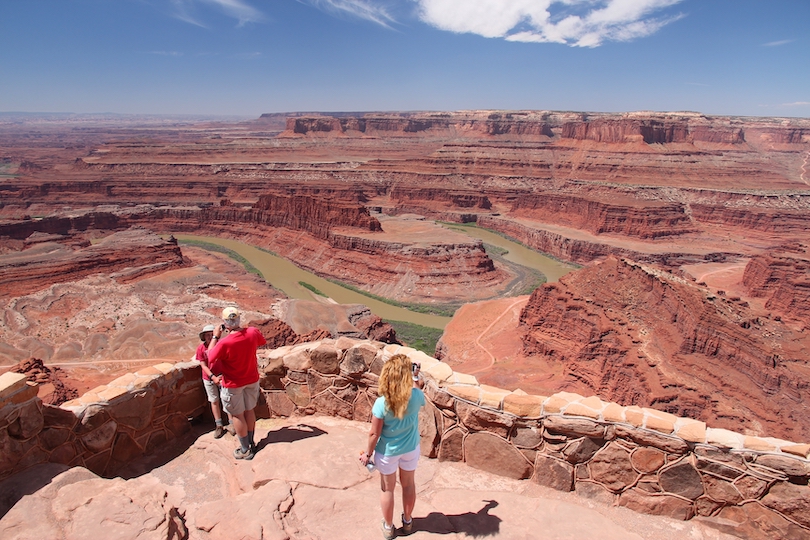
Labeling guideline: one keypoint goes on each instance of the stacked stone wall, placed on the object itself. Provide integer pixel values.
(104, 429)
(646, 460)
(643, 459)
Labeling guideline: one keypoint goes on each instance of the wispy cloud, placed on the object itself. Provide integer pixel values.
(578, 23)
(796, 104)
(778, 43)
(166, 53)
(187, 11)
(370, 10)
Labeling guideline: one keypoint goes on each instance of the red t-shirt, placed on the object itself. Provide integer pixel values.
(202, 357)
(235, 357)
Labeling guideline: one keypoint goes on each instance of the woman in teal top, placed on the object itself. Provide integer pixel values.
(394, 438)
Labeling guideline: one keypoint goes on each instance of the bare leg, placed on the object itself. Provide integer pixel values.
(240, 424)
(387, 484)
(408, 482)
(250, 420)
(215, 410)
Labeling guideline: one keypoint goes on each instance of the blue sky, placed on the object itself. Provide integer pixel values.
(248, 57)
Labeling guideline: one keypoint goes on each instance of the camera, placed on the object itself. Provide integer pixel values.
(222, 327)
(414, 367)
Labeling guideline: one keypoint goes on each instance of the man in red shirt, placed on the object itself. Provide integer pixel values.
(234, 357)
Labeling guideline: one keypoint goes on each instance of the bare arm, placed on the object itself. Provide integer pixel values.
(373, 436)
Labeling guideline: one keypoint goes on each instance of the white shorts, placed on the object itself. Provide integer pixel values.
(389, 464)
(235, 401)
(211, 390)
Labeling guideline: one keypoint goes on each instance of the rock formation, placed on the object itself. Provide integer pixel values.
(127, 255)
(783, 278)
(679, 195)
(643, 459)
(640, 336)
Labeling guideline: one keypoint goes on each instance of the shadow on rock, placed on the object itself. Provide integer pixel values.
(472, 524)
(29, 481)
(289, 434)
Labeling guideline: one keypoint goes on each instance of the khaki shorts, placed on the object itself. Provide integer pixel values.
(235, 401)
(211, 390)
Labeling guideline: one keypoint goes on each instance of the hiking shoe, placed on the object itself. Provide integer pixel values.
(388, 534)
(240, 454)
(407, 526)
(219, 432)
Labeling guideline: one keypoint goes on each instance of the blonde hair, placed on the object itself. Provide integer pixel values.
(396, 383)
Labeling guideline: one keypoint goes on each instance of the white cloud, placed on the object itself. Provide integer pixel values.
(185, 10)
(796, 104)
(579, 23)
(370, 10)
(777, 43)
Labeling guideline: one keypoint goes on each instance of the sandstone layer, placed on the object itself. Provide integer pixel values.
(642, 336)
(681, 195)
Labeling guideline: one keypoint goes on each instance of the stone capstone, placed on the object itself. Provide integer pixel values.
(358, 359)
(324, 359)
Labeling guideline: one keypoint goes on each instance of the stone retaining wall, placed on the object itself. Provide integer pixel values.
(646, 460)
(105, 428)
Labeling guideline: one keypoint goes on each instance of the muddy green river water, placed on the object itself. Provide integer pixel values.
(285, 276)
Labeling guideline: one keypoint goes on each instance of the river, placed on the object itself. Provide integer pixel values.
(285, 276)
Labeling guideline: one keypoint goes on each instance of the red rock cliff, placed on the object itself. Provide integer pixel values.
(784, 279)
(639, 336)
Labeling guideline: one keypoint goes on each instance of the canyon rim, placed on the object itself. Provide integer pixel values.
(691, 293)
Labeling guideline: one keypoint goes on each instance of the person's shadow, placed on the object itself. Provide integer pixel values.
(289, 434)
(473, 524)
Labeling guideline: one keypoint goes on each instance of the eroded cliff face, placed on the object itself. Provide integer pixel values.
(327, 238)
(641, 336)
(127, 255)
(683, 194)
(783, 278)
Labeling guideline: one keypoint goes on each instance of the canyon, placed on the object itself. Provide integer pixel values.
(690, 230)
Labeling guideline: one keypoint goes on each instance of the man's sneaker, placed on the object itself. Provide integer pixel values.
(388, 534)
(240, 454)
(407, 526)
(219, 432)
